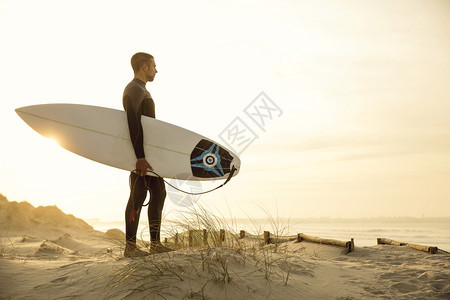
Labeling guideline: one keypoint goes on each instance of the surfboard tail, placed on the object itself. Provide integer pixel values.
(210, 160)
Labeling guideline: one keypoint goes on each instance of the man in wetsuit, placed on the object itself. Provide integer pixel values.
(137, 101)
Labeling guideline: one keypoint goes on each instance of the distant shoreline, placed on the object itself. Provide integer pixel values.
(311, 220)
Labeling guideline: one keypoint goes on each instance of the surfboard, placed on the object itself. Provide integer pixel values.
(101, 134)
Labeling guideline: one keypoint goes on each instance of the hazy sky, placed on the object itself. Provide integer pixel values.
(364, 87)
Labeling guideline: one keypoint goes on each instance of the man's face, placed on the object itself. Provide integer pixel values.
(150, 70)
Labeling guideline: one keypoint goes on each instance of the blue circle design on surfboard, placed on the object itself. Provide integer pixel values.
(210, 160)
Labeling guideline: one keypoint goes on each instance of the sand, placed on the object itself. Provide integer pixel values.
(47, 254)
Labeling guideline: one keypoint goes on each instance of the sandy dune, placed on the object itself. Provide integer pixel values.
(46, 254)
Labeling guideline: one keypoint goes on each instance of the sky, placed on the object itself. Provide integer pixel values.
(362, 88)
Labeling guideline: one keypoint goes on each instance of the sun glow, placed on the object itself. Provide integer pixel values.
(52, 142)
(364, 91)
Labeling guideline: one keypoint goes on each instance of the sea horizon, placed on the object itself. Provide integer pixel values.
(429, 231)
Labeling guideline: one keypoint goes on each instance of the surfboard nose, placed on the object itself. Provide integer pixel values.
(25, 115)
(19, 111)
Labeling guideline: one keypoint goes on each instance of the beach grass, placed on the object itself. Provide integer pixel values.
(209, 251)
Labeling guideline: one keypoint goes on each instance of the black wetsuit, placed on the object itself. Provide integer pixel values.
(137, 101)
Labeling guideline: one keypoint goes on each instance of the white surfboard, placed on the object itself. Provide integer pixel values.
(101, 134)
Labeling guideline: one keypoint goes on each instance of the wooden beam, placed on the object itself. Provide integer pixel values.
(429, 249)
(318, 240)
(383, 241)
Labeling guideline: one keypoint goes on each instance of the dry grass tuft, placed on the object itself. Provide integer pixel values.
(223, 259)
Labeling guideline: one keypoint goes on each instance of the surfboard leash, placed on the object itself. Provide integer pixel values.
(233, 169)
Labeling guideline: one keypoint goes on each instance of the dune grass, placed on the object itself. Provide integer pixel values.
(218, 264)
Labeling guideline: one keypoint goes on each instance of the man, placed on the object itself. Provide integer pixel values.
(137, 101)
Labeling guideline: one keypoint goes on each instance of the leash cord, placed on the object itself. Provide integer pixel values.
(233, 169)
(132, 187)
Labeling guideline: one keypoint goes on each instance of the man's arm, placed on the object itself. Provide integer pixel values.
(137, 135)
(135, 126)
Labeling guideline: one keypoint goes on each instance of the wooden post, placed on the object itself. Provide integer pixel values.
(176, 239)
(190, 238)
(165, 241)
(348, 246)
(205, 237)
(242, 234)
(299, 237)
(221, 236)
(432, 250)
(266, 237)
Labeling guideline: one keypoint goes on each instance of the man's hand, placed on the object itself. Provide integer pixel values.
(141, 166)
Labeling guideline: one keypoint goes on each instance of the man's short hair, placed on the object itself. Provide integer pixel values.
(139, 59)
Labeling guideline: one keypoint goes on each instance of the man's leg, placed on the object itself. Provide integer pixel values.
(138, 193)
(157, 198)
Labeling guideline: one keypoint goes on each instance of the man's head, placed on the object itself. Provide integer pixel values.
(144, 66)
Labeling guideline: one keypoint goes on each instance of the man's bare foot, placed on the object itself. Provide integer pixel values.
(157, 247)
(131, 250)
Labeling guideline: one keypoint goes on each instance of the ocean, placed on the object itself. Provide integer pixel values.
(423, 231)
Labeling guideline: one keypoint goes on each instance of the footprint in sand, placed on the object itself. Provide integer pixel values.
(404, 287)
(49, 248)
(60, 279)
(392, 276)
(440, 285)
